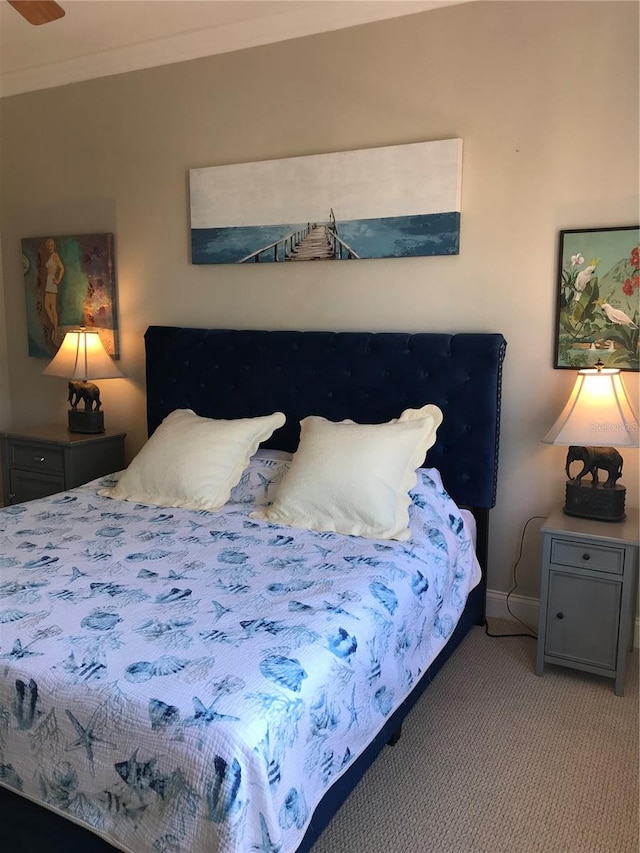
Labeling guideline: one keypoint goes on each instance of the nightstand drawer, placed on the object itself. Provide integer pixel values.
(587, 556)
(37, 457)
(40, 461)
(27, 485)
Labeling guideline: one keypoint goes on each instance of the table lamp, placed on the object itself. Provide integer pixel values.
(82, 357)
(598, 408)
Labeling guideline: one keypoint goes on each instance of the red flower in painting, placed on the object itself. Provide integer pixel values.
(635, 257)
(627, 288)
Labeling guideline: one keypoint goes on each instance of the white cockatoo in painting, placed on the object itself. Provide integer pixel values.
(584, 277)
(615, 315)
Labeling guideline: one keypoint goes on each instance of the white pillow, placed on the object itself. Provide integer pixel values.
(193, 462)
(354, 478)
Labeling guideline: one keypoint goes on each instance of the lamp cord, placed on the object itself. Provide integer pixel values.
(532, 634)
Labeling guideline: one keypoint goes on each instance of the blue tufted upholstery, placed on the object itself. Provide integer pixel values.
(369, 377)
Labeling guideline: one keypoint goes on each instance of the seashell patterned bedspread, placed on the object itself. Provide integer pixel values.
(193, 682)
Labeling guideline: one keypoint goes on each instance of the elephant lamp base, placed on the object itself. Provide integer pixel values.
(90, 419)
(86, 421)
(595, 500)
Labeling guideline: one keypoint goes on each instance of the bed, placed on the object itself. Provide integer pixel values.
(171, 787)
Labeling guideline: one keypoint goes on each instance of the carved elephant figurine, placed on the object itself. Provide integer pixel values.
(86, 391)
(592, 458)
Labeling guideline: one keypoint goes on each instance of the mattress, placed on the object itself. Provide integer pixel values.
(190, 681)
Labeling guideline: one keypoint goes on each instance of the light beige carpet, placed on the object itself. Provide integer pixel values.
(494, 759)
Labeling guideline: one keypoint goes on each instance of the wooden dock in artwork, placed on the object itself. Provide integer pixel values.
(312, 242)
(314, 247)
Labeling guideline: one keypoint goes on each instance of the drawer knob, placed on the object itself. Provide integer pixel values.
(586, 556)
(38, 458)
(559, 615)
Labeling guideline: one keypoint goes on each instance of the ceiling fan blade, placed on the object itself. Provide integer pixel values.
(38, 11)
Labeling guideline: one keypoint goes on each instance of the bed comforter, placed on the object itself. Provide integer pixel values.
(193, 681)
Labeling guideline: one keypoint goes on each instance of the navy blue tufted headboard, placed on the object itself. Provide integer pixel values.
(369, 377)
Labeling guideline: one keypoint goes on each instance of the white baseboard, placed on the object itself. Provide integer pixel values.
(526, 608)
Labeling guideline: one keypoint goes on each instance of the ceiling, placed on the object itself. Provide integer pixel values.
(97, 38)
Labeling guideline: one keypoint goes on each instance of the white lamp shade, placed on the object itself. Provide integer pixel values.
(82, 356)
(598, 412)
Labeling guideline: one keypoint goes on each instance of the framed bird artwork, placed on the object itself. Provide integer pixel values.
(598, 298)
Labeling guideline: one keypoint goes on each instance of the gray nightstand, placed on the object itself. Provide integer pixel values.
(587, 594)
(39, 461)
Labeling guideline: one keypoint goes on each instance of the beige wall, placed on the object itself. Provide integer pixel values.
(545, 97)
(5, 399)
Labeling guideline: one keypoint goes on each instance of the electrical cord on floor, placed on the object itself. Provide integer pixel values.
(532, 634)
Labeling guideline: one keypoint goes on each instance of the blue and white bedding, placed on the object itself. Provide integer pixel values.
(191, 681)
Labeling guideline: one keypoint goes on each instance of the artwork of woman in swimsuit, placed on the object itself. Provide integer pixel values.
(55, 271)
(69, 281)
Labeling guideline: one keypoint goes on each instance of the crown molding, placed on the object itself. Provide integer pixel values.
(302, 19)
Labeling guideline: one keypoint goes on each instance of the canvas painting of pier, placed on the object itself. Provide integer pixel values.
(391, 202)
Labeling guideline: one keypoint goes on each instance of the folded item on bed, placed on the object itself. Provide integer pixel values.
(193, 462)
(186, 680)
(354, 478)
